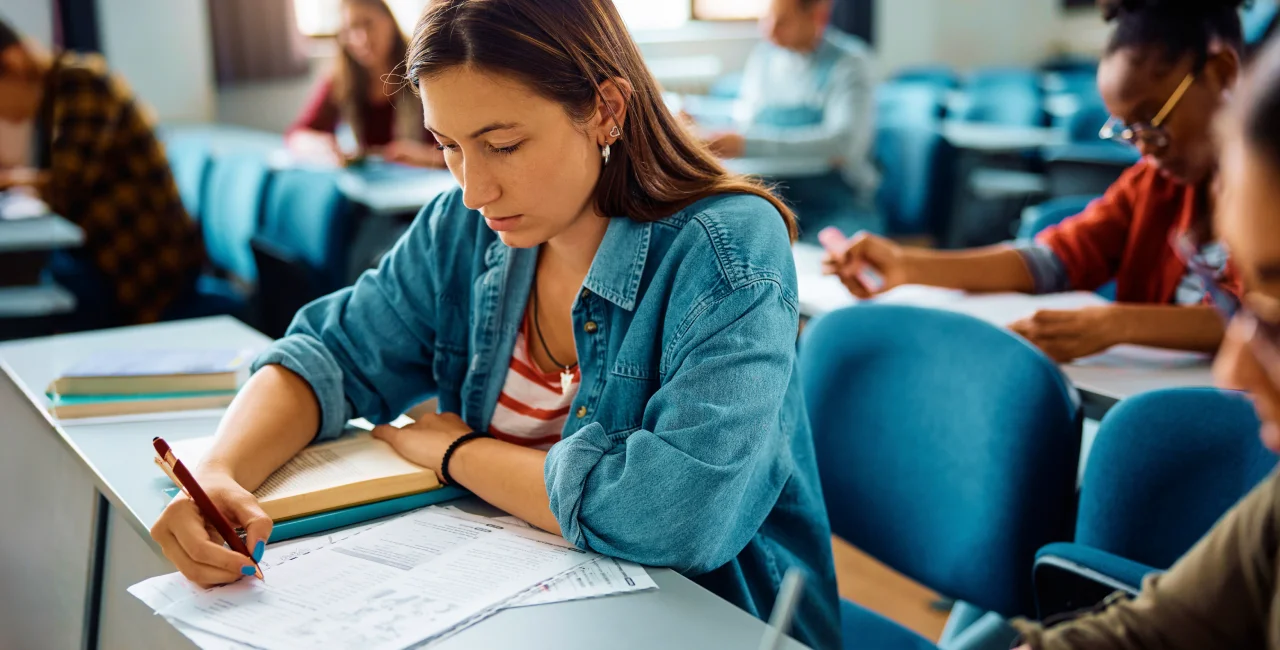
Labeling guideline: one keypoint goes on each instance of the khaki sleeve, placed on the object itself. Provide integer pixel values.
(1217, 596)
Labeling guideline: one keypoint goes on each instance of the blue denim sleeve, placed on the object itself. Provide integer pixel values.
(366, 350)
(690, 489)
(1048, 273)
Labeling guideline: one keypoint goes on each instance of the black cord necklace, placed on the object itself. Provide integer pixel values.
(566, 372)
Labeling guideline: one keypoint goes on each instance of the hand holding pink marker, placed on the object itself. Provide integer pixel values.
(836, 244)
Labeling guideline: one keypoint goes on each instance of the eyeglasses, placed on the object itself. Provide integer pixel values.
(1153, 133)
(1260, 334)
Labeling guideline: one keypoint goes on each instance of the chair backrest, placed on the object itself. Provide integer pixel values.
(1009, 104)
(1164, 467)
(915, 160)
(309, 216)
(1259, 20)
(189, 160)
(939, 76)
(234, 197)
(946, 446)
(1087, 121)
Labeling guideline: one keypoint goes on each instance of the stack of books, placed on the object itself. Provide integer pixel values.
(130, 382)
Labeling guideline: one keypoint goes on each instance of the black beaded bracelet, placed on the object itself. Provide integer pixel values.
(448, 453)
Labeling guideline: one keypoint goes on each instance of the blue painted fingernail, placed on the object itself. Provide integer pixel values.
(257, 551)
(248, 570)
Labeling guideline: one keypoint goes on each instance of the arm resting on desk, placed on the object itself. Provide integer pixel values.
(989, 269)
(1193, 328)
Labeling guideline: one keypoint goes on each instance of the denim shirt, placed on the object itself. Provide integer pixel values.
(687, 446)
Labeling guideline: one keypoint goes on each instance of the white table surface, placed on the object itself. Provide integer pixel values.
(680, 614)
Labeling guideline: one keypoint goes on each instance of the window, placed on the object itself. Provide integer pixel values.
(322, 17)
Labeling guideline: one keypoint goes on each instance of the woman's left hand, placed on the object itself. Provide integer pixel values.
(1066, 335)
(424, 441)
(411, 152)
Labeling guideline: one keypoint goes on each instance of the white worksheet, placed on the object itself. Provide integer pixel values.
(400, 583)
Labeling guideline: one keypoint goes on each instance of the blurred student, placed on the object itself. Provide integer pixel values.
(98, 163)
(807, 97)
(1168, 68)
(1224, 592)
(366, 93)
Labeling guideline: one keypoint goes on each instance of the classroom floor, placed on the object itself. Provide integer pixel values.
(880, 589)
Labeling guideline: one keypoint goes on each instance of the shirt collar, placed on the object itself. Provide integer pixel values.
(619, 263)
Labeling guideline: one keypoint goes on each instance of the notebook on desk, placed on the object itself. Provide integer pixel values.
(355, 470)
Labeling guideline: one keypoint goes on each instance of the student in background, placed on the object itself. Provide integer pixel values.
(1224, 592)
(1167, 71)
(808, 97)
(98, 163)
(366, 93)
(606, 316)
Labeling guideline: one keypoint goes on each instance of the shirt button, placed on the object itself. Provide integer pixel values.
(582, 412)
(591, 327)
(586, 293)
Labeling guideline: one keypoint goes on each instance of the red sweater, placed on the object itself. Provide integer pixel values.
(1127, 235)
(322, 113)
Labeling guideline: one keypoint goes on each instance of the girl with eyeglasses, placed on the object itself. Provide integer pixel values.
(1168, 68)
(1223, 592)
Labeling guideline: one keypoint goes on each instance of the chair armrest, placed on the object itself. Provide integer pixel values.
(1069, 577)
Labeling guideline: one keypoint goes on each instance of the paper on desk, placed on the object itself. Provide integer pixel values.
(416, 577)
(166, 590)
(604, 576)
(15, 206)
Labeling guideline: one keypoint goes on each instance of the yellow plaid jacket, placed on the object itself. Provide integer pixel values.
(108, 174)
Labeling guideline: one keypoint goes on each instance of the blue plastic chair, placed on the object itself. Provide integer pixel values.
(1259, 21)
(939, 76)
(949, 474)
(235, 195)
(915, 160)
(189, 160)
(1008, 96)
(1163, 469)
(301, 250)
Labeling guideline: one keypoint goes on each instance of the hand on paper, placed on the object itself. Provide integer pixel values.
(1067, 335)
(192, 544)
(424, 441)
(867, 250)
(412, 152)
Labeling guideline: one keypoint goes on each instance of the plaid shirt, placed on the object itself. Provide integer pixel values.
(108, 174)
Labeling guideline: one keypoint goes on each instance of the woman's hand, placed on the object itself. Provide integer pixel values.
(1070, 334)
(412, 152)
(425, 441)
(194, 546)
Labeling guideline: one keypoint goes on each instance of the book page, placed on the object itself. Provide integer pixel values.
(351, 459)
(414, 578)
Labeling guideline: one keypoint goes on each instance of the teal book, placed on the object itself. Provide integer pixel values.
(67, 407)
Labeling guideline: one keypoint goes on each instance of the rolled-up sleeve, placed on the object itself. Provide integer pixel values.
(690, 488)
(1091, 245)
(367, 350)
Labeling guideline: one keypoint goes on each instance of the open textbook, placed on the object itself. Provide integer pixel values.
(598, 576)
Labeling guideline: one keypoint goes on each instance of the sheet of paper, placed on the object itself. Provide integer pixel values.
(411, 579)
(604, 576)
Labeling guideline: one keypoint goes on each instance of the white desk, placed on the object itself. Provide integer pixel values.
(387, 190)
(999, 138)
(63, 574)
(39, 234)
(1100, 387)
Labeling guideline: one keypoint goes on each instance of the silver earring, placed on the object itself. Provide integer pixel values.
(604, 153)
(615, 132)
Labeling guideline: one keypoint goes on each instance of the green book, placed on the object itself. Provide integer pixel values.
(67, 407)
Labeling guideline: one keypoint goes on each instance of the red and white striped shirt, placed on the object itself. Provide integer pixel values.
(532, 408)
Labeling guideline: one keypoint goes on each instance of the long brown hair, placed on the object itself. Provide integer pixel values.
(351, 85)
(564, 50)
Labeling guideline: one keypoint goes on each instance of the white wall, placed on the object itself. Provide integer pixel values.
(32, 18)
(270, 105)
(164, 50)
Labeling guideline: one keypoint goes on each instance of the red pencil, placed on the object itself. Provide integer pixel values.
(187, 482)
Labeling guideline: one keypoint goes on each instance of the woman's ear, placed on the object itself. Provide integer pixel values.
(611, 109)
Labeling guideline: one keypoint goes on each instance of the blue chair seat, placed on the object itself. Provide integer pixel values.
(214, 296)
(863, 628)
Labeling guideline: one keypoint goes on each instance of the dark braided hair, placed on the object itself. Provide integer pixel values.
(1179, 27)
